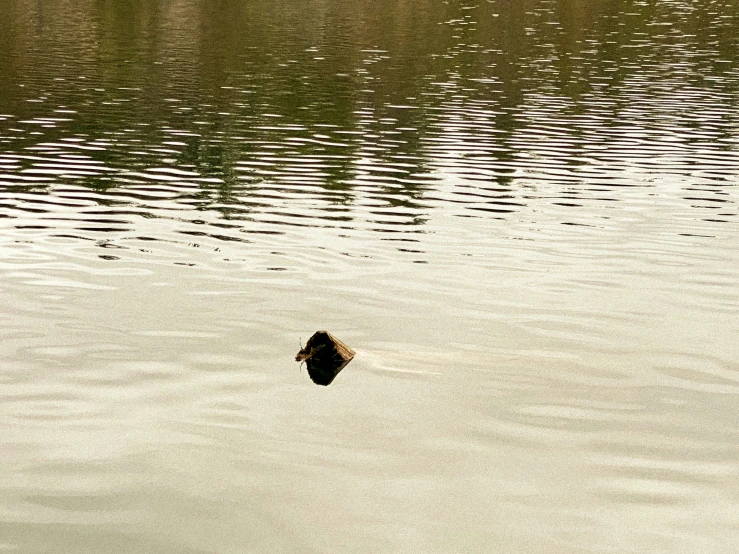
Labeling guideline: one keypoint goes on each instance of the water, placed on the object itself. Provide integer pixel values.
(522, 216)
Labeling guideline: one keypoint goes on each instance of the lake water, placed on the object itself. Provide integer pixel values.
(523, 216)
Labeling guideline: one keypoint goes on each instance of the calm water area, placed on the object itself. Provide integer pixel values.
(523, 216)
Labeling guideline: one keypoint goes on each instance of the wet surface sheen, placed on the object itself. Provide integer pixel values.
(521, 215)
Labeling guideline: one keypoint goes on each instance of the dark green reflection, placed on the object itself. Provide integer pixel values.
(348, 95)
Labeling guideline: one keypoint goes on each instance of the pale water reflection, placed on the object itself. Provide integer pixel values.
(522, 216)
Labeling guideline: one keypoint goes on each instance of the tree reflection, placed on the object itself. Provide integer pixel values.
(353, 99)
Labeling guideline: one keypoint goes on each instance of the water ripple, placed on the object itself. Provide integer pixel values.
(521, 214)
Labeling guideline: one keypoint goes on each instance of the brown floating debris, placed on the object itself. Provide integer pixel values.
(325, 356)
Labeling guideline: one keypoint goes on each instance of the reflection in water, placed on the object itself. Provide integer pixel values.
(409, 107)
(522, 215)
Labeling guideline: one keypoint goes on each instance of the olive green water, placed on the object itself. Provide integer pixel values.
(523, 216)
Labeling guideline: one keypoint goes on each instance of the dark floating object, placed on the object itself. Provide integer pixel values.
(325, 356)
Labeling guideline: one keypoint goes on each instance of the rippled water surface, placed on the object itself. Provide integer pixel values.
(522, 215)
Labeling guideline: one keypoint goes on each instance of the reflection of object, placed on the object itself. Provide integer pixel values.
(325, 356)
